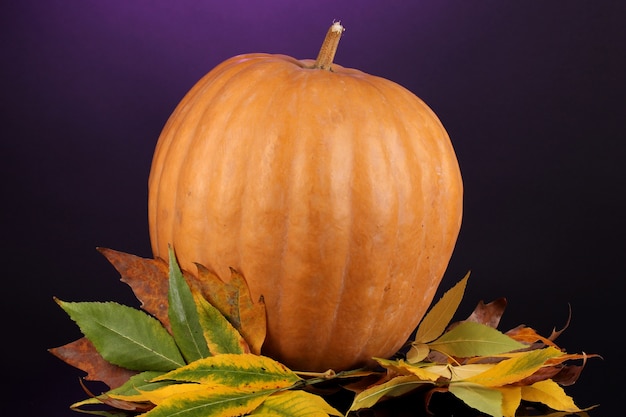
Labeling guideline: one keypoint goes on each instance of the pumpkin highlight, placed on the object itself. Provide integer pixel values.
(337, 194)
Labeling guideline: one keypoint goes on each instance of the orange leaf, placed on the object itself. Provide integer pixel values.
(528, 335)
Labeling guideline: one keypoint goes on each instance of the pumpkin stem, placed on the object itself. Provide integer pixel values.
(329, 47)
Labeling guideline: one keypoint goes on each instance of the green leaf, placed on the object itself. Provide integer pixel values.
(438, 318)
(237, 371)
(295, 404)
(183, 315)
(209, 403)
(469, 339)
(125, 336)
(395, 387)
(483, 399)
(220, 335)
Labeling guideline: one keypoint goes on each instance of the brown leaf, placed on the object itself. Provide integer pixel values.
(148, 279)
(233, 300)
(82, 354)
(488, 314)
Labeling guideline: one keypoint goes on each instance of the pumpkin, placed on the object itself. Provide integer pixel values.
(337, 194)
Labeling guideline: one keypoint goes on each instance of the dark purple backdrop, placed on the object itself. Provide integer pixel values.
(532, 94)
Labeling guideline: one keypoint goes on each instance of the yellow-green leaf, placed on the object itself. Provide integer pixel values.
(295, 404)
(516, 368)
(474, 339)
(439, 316)
(234, 301)
(393, 388)
(551, 394)
(209, 402)
(479, 397)
(221, 337)
(243, 371)
(425, 373)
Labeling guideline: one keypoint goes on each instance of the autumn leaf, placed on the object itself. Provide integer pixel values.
(438, 318)
(235, 370)
(234, 301)
(484, 399)
(430, 373)
(516, 368)
(82, 354)
(219, 333)
(474, 339)
(203, 402)
(125, 336)
(551, 394)
(148, 278)
(183, 315)
(488, 314)
(295, 404)
(395, 387)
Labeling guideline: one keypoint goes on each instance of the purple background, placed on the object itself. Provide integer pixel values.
(532, 94)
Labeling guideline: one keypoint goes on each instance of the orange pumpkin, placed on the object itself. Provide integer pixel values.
(336, 193)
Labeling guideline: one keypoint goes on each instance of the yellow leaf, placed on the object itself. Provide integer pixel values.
(551, 394)
(241, 371)
(209, 402)
(159, 395)
(438, 318)
(295, 404)
(425, 373)
(393, 388)
(516, 368)
(511, 399)
(462, 372)
(417, 353)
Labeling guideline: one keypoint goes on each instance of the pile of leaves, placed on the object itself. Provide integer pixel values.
(194, 349)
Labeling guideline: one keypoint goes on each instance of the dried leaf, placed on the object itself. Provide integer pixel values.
(439, 316)
(148, 278)
(528, 335)
(474, 339)
(125, 336)
(488, 314)
(295, 404)
(234, 301)
(83, 355)
(183, 315)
